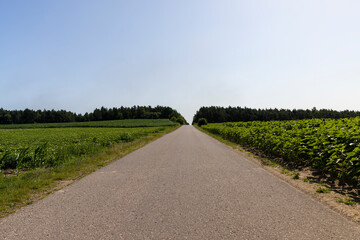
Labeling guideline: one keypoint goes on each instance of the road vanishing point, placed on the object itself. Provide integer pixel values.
(185, 185)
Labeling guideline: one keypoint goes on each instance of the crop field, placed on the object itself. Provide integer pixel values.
(127, 123)
(327, 145)
(35, 158)
(45, 147)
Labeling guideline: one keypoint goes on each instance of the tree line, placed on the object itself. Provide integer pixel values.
(216, 114)
(55, 116)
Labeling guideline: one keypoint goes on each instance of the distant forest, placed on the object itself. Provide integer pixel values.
(215, 114)
(53, 116)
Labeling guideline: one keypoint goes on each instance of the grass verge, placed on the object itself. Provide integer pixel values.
(32, 185)
(219, 138)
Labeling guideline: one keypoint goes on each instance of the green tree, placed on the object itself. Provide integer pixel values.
(201, 122)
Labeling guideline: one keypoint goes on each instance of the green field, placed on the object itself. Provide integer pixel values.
(35, 159)
(27, 146)
(329, 146)
(31, 148)
(127, 123)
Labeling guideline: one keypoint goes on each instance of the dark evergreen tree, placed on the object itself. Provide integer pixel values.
(52, 116)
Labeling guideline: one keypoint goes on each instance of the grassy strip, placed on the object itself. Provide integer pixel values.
(27, 187)
(219, 138)
(265, 160)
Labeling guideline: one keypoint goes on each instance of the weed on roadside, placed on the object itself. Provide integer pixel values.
(323, 190)
(347, 201)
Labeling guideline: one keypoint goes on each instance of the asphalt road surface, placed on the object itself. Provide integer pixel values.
(184, 185)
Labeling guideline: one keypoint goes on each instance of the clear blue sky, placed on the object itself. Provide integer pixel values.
(83, 54)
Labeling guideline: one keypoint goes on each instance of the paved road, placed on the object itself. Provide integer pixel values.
(185, 185)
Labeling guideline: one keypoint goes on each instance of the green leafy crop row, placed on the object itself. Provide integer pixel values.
(329, 146)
